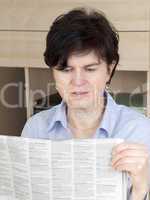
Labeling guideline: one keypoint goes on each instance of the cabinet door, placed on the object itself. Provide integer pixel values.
(22, 49)
(25, 49)
(134, 51)
(38, 14)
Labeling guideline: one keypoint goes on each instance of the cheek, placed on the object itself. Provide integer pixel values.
(97, 86)
(61, 86)
(59, 80)
(99, 81)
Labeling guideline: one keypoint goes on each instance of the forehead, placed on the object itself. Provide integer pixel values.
(82, 58)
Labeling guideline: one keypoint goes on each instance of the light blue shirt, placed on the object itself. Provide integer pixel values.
(118, 122)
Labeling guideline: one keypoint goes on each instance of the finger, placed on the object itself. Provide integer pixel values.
(135, 163)
(129, 167)
(124, 146)
(131, 154)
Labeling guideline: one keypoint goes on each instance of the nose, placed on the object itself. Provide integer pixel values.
(78, 78)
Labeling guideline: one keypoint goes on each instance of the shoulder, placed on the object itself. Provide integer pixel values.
(124, 116)
(133, 125)
(45, 115)
(129, 115)
(39, 122)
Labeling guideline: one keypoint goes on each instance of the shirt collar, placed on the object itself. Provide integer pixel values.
(59, 116)
(108, 121)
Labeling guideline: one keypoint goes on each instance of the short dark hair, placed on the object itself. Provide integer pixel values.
(81, 30)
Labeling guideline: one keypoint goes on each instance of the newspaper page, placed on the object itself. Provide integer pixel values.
(77, 169)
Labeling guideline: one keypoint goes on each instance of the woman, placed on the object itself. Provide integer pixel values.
(82, 51)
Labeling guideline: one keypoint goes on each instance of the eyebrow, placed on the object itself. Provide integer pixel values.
(88, 65)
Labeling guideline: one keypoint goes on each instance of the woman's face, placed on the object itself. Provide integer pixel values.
(81, 84)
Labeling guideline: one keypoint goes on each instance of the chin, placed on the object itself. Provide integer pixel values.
(82, 104)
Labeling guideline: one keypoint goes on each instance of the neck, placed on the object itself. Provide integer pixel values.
(85, 121)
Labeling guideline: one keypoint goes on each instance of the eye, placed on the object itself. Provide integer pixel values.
(67, 69)
(91, 69)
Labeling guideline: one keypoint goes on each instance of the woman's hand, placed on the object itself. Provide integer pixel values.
(134, 159)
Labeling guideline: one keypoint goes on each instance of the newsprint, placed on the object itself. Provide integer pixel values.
(77, 169)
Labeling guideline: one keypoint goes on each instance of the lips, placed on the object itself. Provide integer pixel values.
(80, 93)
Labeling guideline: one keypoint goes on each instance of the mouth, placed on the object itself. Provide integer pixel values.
(79, 94)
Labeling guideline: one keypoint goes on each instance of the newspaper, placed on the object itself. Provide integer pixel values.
(77, 169)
